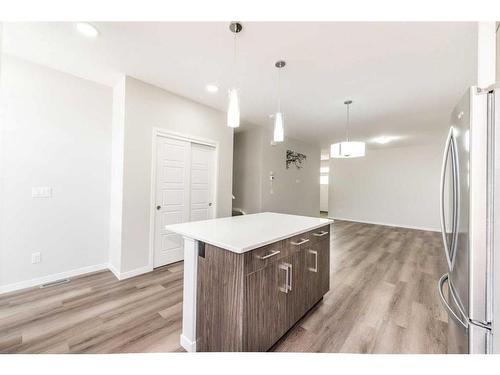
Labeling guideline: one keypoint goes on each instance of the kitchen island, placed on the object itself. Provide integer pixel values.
(248, 279)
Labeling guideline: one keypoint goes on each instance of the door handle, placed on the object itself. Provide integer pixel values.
(290, 276)
(320, 234)
(268, 255)
(441, 196)
(284, 267)
(456, 201)
(452, 313)
(301, 242)
(315, 253)
(158, 207)
(210, 204)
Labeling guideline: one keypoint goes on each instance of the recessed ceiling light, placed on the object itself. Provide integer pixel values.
(211, 88)
(87, 29)
(384, 139)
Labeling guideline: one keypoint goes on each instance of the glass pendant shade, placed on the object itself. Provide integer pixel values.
(279, 132)
(233, 109)
(347, 149)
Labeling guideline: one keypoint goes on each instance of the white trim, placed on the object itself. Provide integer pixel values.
(159, 132)
(133, 273)
(189, 291)
(152, 203)
(386, 224)
(73, 273)
(184, 137)
(187, 344)
(114, 271)
(51, 278)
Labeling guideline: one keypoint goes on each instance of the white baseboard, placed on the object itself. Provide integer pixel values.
(132, 273)
(385, 224)
(51, 278)
(127, 275)
(73, 273)
(187, 344)
(114, 271)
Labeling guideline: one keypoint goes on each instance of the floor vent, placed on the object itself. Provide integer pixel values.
(54, 283)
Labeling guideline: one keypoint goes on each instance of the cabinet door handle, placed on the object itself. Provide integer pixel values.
(320, 234)
(268, 255)
(315, 253)
(301, 242)
(290, 277)
(284, 267)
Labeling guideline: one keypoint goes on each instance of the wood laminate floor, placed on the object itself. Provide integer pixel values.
(383, 299)
(383, 295)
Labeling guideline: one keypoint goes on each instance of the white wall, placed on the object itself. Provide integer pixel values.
(146, 107)
(1, 46)
(323, 198)
(497, 62)
(247, 171)
(486, 53)
(323, 189)
(396, 186)
(294, 191)
(116, 182)
(496, 257)
(57, 133)
(93, 146)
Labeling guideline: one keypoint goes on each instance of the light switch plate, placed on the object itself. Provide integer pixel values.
(36, 258)
(41, 192)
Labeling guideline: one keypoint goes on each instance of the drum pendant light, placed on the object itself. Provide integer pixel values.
(347, 149)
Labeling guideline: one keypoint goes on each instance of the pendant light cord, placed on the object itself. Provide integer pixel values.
(347, 124)
(279, 91)
(234, 48)
(235, 62)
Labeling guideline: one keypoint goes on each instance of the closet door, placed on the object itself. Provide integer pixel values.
(202, 182)
(172, 197)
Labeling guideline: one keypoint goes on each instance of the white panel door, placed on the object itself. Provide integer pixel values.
(172, 197)
(202, 182)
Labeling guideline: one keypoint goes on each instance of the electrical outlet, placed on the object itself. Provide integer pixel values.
(36, 258)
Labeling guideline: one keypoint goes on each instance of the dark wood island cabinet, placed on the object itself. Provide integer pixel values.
(247, 301)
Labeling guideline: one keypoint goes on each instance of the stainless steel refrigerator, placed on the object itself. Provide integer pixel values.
(467, 197)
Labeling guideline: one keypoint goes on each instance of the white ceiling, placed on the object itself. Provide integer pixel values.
(404, 78)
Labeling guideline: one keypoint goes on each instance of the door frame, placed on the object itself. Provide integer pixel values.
(159, 132)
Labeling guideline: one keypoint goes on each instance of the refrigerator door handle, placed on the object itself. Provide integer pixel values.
(451, 313)
(441, 196)
(491, 204)
(456, 200)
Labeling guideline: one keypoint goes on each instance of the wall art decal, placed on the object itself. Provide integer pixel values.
(295, 158)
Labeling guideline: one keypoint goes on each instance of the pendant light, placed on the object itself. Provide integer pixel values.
(279, 132)
(347, 149)
(233, 108)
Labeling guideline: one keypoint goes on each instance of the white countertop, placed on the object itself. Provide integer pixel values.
(247, 232)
